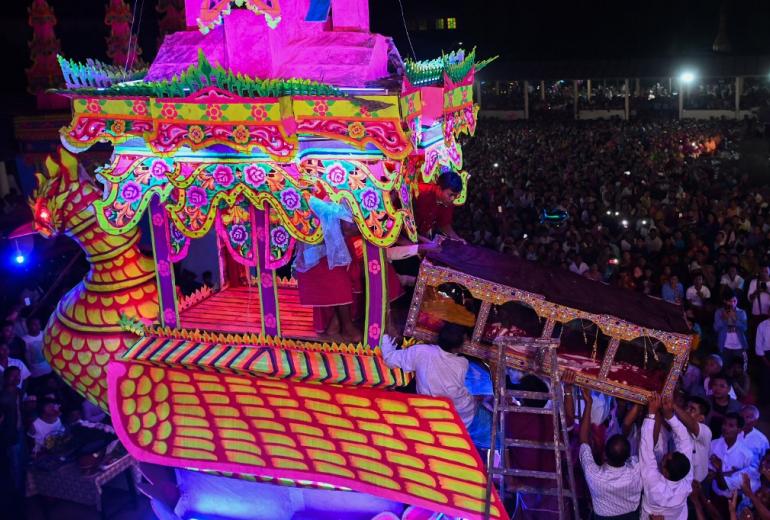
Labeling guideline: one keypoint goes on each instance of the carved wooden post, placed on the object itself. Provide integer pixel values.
(164, 268)
(268, 286)
(375, 267)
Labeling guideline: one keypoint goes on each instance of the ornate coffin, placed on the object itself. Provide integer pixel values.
(619, 342)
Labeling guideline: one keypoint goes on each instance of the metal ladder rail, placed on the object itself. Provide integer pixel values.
(560, 435)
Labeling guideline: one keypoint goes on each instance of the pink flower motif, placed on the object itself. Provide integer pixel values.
(170, 316)
(270, 321)
(131, 191)
(223, 175)
(279, 237)
(157, 220)
(163, 268)
(410, 105)
(93, 106)
(258, 113)
(374, 267)
(320, 108)
(267, 280)
(159, 169)
(254, 175)
(197, 196)
(337, 174)
(139, 107)
(374, 331)
(214, 112)
(168, 111)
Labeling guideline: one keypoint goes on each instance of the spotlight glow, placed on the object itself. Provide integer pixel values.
(687, 76)
(19, 259)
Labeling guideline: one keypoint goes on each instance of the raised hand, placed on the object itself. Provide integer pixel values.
(716, 462)
(668, 407)
(653, 405)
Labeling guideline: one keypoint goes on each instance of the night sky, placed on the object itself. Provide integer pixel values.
(517, 30)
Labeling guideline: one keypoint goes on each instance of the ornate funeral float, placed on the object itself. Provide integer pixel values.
(223, 142)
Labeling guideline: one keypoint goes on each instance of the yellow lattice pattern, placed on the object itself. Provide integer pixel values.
(403, 444)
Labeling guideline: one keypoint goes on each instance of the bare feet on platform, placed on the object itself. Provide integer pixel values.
(351, 334)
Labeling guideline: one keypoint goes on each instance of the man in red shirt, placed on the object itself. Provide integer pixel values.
(434, 206)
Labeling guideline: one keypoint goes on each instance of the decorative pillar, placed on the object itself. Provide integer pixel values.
(628, 108)
(575, 98)
(526, 99)
(164, 268)
(542, 90)
(609, 357)
(481, 322)
(376, 296)
(268, 285)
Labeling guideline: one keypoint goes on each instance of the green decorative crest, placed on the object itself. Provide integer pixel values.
(202, 74)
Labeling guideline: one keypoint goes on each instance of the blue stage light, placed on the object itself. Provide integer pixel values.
(20, 259)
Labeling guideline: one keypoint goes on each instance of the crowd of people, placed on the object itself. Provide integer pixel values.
(658, 207)
(662, 208)
(650, 98)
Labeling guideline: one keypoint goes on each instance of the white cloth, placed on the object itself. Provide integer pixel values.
(732, 342)
(701, 449)
(762, 344)
(438, 373)
(401, 252)
(13, 362)
(760, 304)
(42, 430)
(38, 366)
(578, 269)
(757, 444)
(695, 297)
(614, 491)
(735, 284)
(736, 460)
(662, 496)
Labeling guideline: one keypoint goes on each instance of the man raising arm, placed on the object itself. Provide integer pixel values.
(666, 487)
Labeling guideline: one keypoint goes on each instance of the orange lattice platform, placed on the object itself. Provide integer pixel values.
(236, 309)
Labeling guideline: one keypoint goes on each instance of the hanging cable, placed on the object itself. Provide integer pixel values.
(406, 30)
(130, 33)
(131, 37)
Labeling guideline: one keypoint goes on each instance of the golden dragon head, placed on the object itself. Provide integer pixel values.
(60, 193)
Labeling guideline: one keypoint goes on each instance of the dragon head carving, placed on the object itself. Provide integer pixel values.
(61, 193)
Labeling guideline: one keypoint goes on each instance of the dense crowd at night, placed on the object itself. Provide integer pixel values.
(660, 207)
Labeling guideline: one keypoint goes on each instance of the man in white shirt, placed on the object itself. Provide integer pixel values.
(578, 266)
(730, 459)
(7, 361)
(732, 279)
(666, 487)
(762, 349)
(33, 342)
(615, 486)
(440, 372)
(697, 294)
(693, 416)
(753, 439)
(759, 295)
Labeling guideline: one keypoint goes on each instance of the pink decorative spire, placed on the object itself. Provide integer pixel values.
(43, 48)
(172, 17)
(118, 18)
